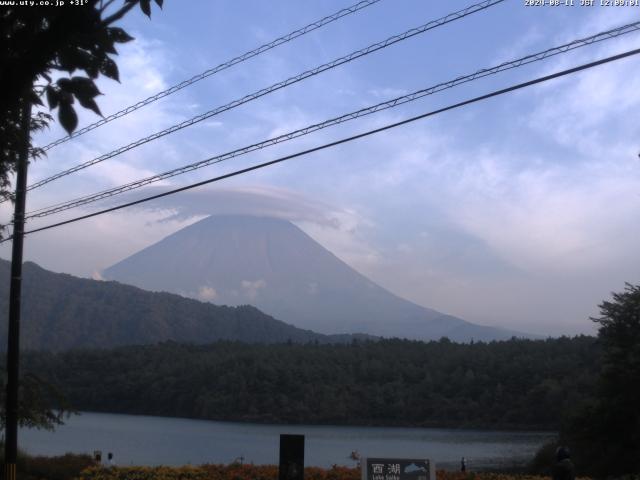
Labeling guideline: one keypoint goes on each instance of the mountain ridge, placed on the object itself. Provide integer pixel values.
(61, 312)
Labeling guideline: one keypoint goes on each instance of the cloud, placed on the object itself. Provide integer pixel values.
(251, 289)
(516, 222)
(258, 200)
(97, 276)
(91, 245)
(550, 217)
(387, 93)
(207, 294)
(94, 244)
(569, 205)
(590, 112)
(144, 66)
(341, 230)
(347, 238)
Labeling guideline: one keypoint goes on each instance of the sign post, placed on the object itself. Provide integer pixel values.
(291, 457)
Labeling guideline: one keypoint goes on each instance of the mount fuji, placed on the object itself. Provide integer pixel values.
(273, 265)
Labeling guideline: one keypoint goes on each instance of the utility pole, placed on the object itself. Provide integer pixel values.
(13, 347)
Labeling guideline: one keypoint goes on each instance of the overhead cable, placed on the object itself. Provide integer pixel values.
(277, 86)
(223, 66)
(343, 140)
(531, 58)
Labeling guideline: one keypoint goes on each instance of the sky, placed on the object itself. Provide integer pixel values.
(520, 211)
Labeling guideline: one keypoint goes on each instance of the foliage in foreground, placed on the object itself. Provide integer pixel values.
(83, 467)
(64, 467)
(40, 404)
(605, 433)
(261, 472)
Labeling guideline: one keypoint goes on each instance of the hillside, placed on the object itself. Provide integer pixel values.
(60, 312)
(274, 265)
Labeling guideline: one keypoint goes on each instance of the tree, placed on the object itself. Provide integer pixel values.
(35, 42)
(619, 393)
(607, 431)
(42, 405)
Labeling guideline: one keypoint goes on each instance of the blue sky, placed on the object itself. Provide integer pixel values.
(520, 211)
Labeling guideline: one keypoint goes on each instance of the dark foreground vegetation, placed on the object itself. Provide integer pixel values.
(514, 384)
(64, 467)
(83, 467)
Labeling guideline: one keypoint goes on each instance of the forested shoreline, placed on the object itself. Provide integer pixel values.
(519, 384)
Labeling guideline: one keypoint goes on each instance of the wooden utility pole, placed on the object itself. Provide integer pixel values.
(13, 347)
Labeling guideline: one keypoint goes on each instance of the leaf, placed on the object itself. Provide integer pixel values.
(145, 6)
(109, 48)
(84, 87)
(109, 69)
(102, 42)
(65, 84)
(40, 121)
(35, 98)
(85, 90)
(67, 117)
(53, 97)
(76, 58)
(159, 3)
(65, 97)
(91, 104)
(67, 60)
(118, 35)
(92, 69)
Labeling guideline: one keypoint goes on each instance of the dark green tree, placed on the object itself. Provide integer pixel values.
(77, 40)
(619, 393)
(606, 432)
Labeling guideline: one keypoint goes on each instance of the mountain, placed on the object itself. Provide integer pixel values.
(61, 312)
(272, 264)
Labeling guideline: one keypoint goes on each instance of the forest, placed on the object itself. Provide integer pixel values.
(523, 384)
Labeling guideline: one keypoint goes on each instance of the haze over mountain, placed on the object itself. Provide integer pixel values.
(274, 265)
(60, 312)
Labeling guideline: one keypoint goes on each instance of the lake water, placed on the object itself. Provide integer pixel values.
(143, 440)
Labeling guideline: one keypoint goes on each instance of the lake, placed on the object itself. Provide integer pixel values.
(145, 440)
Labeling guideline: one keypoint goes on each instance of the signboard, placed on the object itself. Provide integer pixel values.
(397, 469)
(291, 457)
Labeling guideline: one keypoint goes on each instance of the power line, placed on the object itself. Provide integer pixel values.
(344, 140)
(277, 86)
(535, 57)
(223, 66)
